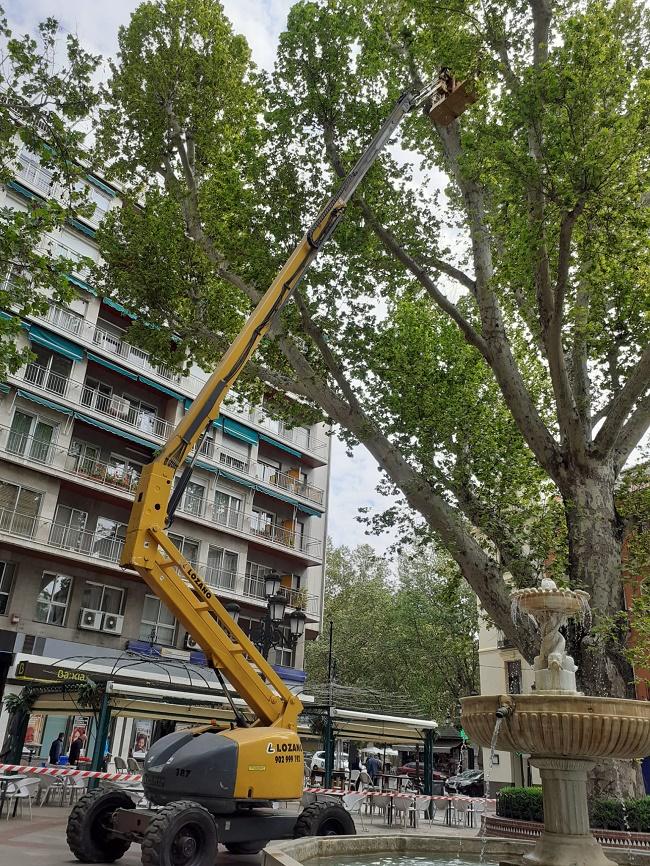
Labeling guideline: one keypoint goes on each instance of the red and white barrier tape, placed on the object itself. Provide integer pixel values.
(448, 798)
(69, 771)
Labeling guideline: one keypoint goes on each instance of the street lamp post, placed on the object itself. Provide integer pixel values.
(270, 633)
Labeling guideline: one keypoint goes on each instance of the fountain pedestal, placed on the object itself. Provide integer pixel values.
(566, 839)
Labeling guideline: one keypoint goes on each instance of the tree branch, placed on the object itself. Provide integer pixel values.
(632, 433)
(621, 406)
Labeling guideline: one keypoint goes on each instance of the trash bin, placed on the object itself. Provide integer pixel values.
(437, 788)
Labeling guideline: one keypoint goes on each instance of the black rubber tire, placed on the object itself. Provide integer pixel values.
(182, 834)
(324, 819)
(88, 838)
(245, 847)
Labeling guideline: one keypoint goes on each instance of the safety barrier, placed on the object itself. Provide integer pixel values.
(68, 771)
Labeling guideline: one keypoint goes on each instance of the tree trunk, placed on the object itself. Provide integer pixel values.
(595, 536)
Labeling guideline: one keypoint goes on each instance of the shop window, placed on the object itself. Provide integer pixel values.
(158, 625)
(7, 571)
(53, 598)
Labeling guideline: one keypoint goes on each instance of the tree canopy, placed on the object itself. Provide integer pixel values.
(47, 97)
(413, 635)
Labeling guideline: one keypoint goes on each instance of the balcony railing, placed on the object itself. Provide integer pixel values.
(61, 536)
(114, 343)
(286, 536)
(254, 587)
(289, 483)
(112, 406)
(55, 247)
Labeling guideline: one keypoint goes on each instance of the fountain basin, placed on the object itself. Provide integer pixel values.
(572, 726)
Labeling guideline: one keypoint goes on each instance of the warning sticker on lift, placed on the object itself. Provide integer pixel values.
(256, 768)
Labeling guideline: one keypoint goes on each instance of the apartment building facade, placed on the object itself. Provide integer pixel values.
(76, 426)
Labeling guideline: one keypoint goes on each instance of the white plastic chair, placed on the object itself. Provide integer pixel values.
(381, 803)
(421, 805)
(461, 811)
(441, 808)
(352, 803)
(23, 789)
(402, 807)
(76, 787)
(52, 787)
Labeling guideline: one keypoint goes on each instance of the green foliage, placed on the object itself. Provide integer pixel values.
(521, 804)
(526, 804)
(19, 703)
(418, 630)
(44, 108)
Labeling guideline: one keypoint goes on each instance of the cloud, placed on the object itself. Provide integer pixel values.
(352, 486)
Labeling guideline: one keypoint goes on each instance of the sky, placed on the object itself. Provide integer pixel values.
(353, 480)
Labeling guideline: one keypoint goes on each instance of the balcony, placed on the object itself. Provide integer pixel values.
(289, 483)
(285, 536)
(37, 177)
(59, 536)
(86, 398)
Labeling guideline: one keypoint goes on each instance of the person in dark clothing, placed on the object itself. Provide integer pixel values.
(373, 766)
(75, 749)
(56, 749)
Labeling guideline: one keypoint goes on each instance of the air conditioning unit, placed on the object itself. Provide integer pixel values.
(90, 619)
(113, 623)
(190, 643)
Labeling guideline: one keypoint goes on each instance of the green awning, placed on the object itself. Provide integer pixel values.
(23, 191)
(101, 185)
(57, 344)
(120, 309)
(4, 388)
(114, 431)
(80, 283)
(43, 402)
(280, 445)
(238, 431)
(269, 491)
(162, 388)
(78, 226)
(198, 464)
(235, 479)
(110, 366)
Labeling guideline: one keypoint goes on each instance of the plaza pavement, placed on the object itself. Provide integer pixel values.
(41, 842)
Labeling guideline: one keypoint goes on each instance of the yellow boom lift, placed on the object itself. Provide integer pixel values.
(205, 784)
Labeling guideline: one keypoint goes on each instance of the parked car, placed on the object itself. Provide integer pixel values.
(470, 783)
(413, 769)
(318, 761)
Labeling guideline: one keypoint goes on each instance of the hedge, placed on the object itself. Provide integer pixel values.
(526, 804)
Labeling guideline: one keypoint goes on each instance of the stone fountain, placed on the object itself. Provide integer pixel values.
(565, 732)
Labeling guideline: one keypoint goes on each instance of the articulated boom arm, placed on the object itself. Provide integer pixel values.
(148, 549)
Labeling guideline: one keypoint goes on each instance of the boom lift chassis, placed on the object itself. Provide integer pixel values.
(208, 785)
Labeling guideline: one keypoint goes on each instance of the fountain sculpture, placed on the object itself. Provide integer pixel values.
(564, 731)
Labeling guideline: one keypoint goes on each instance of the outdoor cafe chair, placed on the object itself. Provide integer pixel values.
(120, 764)
(402, 808)
(133, 766)
(76, 787)
(353, 802)
(23, 789)
(441, 808)
(50, 788)
(462, 809)
(380, 802)
(421, 803)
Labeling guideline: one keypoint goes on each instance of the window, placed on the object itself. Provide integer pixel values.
(49, 370)
(109, 337)
(262, 522)
(19, 508)
(222, 567)
(194, 498)
(97, 395)
(96, 196)
(234, 453)
(122, 471)
(513, 677)
(277, 656)
(158, 625)
(189, 547)
(85, 459)
(227, 509)
(31, 437)
(32, 171)
(98, 596)
(207, 443)
(53, 598)
(141, 415)
(7, 571)
(67, 531)
(108, 539)
(267, 470)
(254, 583)
(65, 319)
